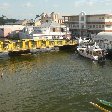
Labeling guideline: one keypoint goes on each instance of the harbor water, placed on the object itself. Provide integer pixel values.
(53, 82)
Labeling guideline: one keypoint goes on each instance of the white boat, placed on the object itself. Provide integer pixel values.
(85, 40)
(93, 52)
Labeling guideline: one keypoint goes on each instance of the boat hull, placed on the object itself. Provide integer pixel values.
(88, 55)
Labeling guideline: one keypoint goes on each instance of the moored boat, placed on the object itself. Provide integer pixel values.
(93, 52)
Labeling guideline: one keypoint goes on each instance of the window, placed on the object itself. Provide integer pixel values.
(53, 29)
(82, 26)
(108, 26)
(96, 26)
(2, 29)
(90, 52)
(102, 26)
(72, 25)
(93, 26)
(90, 26)
(82, 18)
(62, 30)
(82, 50)
(99, 26)
(94, 53)
(87, 52)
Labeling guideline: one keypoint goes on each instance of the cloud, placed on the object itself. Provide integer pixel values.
(90, 3)
(55, 5)
(83, 3)
(28, 5)
(77, 4)
(46, 1)
(4, 5)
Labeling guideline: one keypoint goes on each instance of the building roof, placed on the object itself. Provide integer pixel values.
(100, 15)
(90, 15)
(104, 35)
(19, 22)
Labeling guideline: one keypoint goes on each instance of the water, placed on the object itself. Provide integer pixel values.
(53, 82)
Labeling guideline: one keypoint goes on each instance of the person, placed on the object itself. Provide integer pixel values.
(2, 75)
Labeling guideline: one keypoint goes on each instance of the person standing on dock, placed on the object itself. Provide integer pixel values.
(2, 75)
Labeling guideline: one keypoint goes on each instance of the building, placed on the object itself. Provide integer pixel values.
(51, 17)
(10, 30)
(85, 25)
(48, 30)
(37, 23)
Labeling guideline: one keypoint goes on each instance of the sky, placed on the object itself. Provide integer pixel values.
(28, 9)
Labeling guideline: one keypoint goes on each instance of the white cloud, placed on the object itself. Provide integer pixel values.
(77, 4)
(84, 3)
(46, 0)
(55, 5)
(90, 3)
(4, 5)
(28, 5)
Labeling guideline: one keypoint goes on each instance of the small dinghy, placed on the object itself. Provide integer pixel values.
(109, 104)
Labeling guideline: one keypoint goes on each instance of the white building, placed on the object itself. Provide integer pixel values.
(83, 24)
(48, 30)
(10, 30)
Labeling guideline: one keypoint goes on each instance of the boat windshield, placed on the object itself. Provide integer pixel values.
(82, 50)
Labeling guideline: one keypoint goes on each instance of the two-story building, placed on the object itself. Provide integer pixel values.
(83, 24)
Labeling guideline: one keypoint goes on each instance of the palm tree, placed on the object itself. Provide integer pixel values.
(2, 20)
(4, 17)
(37, 16)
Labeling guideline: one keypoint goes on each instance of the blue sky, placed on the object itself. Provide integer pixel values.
(27, 9)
